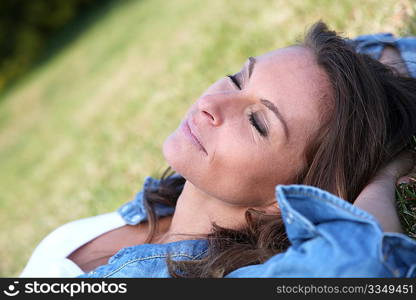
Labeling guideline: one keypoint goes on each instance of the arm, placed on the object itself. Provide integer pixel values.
(378, 197)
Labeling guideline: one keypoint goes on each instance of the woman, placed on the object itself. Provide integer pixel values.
(318, 116)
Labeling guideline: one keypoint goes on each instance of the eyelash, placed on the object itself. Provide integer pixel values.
(251, 118)
(256, 125)
(234, 80)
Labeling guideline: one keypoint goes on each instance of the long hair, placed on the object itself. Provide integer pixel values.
(372, 119)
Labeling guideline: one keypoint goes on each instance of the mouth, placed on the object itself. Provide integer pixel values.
(192, 133)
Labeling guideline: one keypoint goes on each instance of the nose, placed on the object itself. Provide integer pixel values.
(215, 108)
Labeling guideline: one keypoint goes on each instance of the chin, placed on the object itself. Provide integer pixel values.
(174, 153)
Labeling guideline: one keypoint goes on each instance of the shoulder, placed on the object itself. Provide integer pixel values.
(63, 240)
(74, 233)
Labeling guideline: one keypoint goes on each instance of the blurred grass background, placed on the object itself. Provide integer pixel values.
(85, 124)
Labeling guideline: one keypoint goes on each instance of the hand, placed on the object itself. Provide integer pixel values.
(409, 177)
(399, 169)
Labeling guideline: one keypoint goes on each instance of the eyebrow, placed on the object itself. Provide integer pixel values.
(270, 105)
(251, 63)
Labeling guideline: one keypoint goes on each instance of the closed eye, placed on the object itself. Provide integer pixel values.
(252, 117)
(234, 80)
(258, 125)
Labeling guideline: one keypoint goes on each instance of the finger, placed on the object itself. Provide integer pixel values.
(404, 163)
(403, 179)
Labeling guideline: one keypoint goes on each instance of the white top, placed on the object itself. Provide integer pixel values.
(49, 259)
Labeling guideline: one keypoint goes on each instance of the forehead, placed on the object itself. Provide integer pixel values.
(295, 51)
(291, 65)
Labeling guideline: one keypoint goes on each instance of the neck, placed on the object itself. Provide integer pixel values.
(196, 211)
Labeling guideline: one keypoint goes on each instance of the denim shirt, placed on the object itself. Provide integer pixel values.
(329, 238)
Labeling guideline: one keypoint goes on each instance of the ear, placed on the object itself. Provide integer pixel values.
(271, 208)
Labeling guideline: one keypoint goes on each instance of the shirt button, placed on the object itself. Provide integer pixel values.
(135, 218)
(289, 218)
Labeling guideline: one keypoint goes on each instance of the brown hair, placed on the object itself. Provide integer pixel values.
(372, 119)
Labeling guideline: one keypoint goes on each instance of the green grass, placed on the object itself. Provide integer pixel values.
(406, 202)
(80, 132)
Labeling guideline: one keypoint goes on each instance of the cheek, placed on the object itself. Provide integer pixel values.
(240, 154)
(243, 169)
(289, 161)
(273, 167)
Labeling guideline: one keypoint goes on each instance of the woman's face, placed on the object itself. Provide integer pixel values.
(253, 129)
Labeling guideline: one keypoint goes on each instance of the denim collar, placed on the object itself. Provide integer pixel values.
(190, 249)
(134, 212)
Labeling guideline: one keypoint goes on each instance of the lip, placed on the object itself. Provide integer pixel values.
(191, 132)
